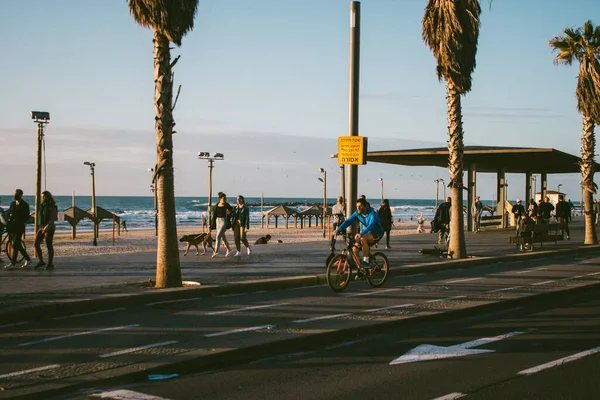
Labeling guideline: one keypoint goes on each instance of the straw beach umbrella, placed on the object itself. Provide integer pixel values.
(451, 30)
(583, 45)
(170, 20)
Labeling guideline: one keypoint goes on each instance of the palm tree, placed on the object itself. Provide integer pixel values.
(451, 30)
(170, 20)
(583, 45)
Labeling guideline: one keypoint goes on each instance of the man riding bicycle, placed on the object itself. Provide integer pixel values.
(371, 232)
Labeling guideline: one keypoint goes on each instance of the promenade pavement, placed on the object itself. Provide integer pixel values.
(83, 284)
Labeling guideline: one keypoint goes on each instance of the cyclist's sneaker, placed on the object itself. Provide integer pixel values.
(49, 267)
(40, 264)
(361, 274)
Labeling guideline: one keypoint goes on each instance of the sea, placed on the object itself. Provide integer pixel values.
(138, 211)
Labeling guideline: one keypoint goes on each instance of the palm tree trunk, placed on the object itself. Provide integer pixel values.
(588, 145)
(168, 271)
(457, 247)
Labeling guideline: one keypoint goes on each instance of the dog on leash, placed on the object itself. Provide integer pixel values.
(194, 240)
(263, 239)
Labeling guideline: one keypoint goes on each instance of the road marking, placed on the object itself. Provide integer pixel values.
(446, 299)
(451, 396)
(51, 339)
(231, 294)
(531, 270)
(541, 283)
(174, 301)
(373, 292)
(560, 361)
(594, 274)
(301, 321)
(15, 324)
(504, 289)
(90, 313)
(305, 287)
(464, 280)
(29, 371)
(572, 277)
(134, 349)
(247, 308)
(127, 395)
(231, 332)
(388, 308)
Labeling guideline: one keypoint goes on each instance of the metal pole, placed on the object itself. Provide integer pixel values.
(38, 179)
(381, 190)
(353, 94)
(94, 211)
(324, 202)
(437, 193)
(210, 168)
(343, 180)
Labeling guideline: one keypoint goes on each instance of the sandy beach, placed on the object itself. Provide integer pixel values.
(145, 240)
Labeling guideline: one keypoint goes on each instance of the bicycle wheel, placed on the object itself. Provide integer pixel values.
(339, 272)
(10, 250)
(379, 270)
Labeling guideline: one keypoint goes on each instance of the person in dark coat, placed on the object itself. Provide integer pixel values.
(545, 209)
(48, 215)
(385, 217)
(563, 212)
(519, 212)
(442, 218)
(241, 223)
(18, 215)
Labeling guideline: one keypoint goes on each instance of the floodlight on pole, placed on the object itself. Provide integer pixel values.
(204, 155)
(381, 180)
(342, 176)
(41, 118)
(94, 211)
(324, 180)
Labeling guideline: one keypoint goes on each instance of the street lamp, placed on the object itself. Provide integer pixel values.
(342, 176)
(41, 118)
(203, 155)
(381, 180)
(559, 185)
(324, 180)
(94, 211)
(154, 190)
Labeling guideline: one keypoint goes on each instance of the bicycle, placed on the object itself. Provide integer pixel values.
(339, 269)
(6, 245)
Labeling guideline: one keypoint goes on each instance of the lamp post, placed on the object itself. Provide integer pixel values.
(41, 118)
(381, 180)
(206, 156)
(534, 179)
(94, 211)
(324, 180)
(444, 186)
(342, 176)
(559, 185)
(437, 192)
(154, 191)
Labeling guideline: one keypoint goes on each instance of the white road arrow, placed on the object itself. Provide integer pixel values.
(426, 352)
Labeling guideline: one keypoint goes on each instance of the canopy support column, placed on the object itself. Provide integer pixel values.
(544, 187)
(471, 193)
(528, 194)
(501, 195)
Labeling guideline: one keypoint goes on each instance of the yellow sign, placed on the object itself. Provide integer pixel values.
(352, 150)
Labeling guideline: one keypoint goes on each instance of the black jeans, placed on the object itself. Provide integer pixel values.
(17, 244)
(49, 236)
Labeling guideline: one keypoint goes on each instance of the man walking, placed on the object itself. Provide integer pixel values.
(339, 212)
(18, 215)
(442, 218)
(477, 211)
(563, 211)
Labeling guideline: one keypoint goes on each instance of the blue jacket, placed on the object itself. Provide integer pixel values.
(370, 222)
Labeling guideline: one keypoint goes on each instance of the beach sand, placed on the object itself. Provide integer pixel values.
(145, 240)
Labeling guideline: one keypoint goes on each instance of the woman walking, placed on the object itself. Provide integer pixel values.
(48, 214)
(385, 216)
(241, 222)
(221, 214)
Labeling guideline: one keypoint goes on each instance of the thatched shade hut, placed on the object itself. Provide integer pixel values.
(312, 211)
(280, 211)
(101, 214)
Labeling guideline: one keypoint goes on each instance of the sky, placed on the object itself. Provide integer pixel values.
(265, 82)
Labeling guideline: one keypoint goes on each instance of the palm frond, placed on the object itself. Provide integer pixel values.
(172, 18)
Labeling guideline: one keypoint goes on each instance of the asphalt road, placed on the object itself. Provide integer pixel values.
(82, 349)
(550, 352)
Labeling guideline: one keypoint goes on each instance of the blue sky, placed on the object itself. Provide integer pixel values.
(266, 83)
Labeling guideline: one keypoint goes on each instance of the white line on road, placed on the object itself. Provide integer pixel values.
(388, 308)
(446, 299)
(451, 396)
(541, 283)
(560, 361)
(90, 313)
(572, 277)
(305, 287)
(464, 280)
(373, 292)
(15, 324)
(231, 332)
(29, 371)
(231, 295)
(504, 289)
(301, 321)
(51, 339)
(127, 395)
(174, 301)
(247, 308)
(134, 349)
(594, 274)
(531, 270)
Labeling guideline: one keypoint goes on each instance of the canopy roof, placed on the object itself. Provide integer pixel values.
(281, 210)
(101, 214)
(312, 210)
(75, 214)
(487, 159)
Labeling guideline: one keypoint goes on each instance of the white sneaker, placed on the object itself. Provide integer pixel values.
(249, 250)
(215, 255)
(228, 253)
(25, 264)
(237, 254)
(10, 266)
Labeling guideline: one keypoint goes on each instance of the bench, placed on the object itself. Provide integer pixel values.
(491, 221)
(539, 233)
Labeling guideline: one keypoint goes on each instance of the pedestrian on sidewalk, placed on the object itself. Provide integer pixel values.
(221, 221)
(385, 217)
(48, 215)
(241, 223)
(124, 225)
(563, 211)
(339, 212)
(477, 211)
(442, 218)
(18, 216)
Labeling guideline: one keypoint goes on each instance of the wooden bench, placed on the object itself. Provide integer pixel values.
(539, 233)
(491, 221)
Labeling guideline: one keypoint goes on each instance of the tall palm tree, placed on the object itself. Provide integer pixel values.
(451, 30)
(170, 20)
(583, 45)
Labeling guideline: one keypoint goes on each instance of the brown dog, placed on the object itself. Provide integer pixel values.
(194, 240)
(263, 239)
